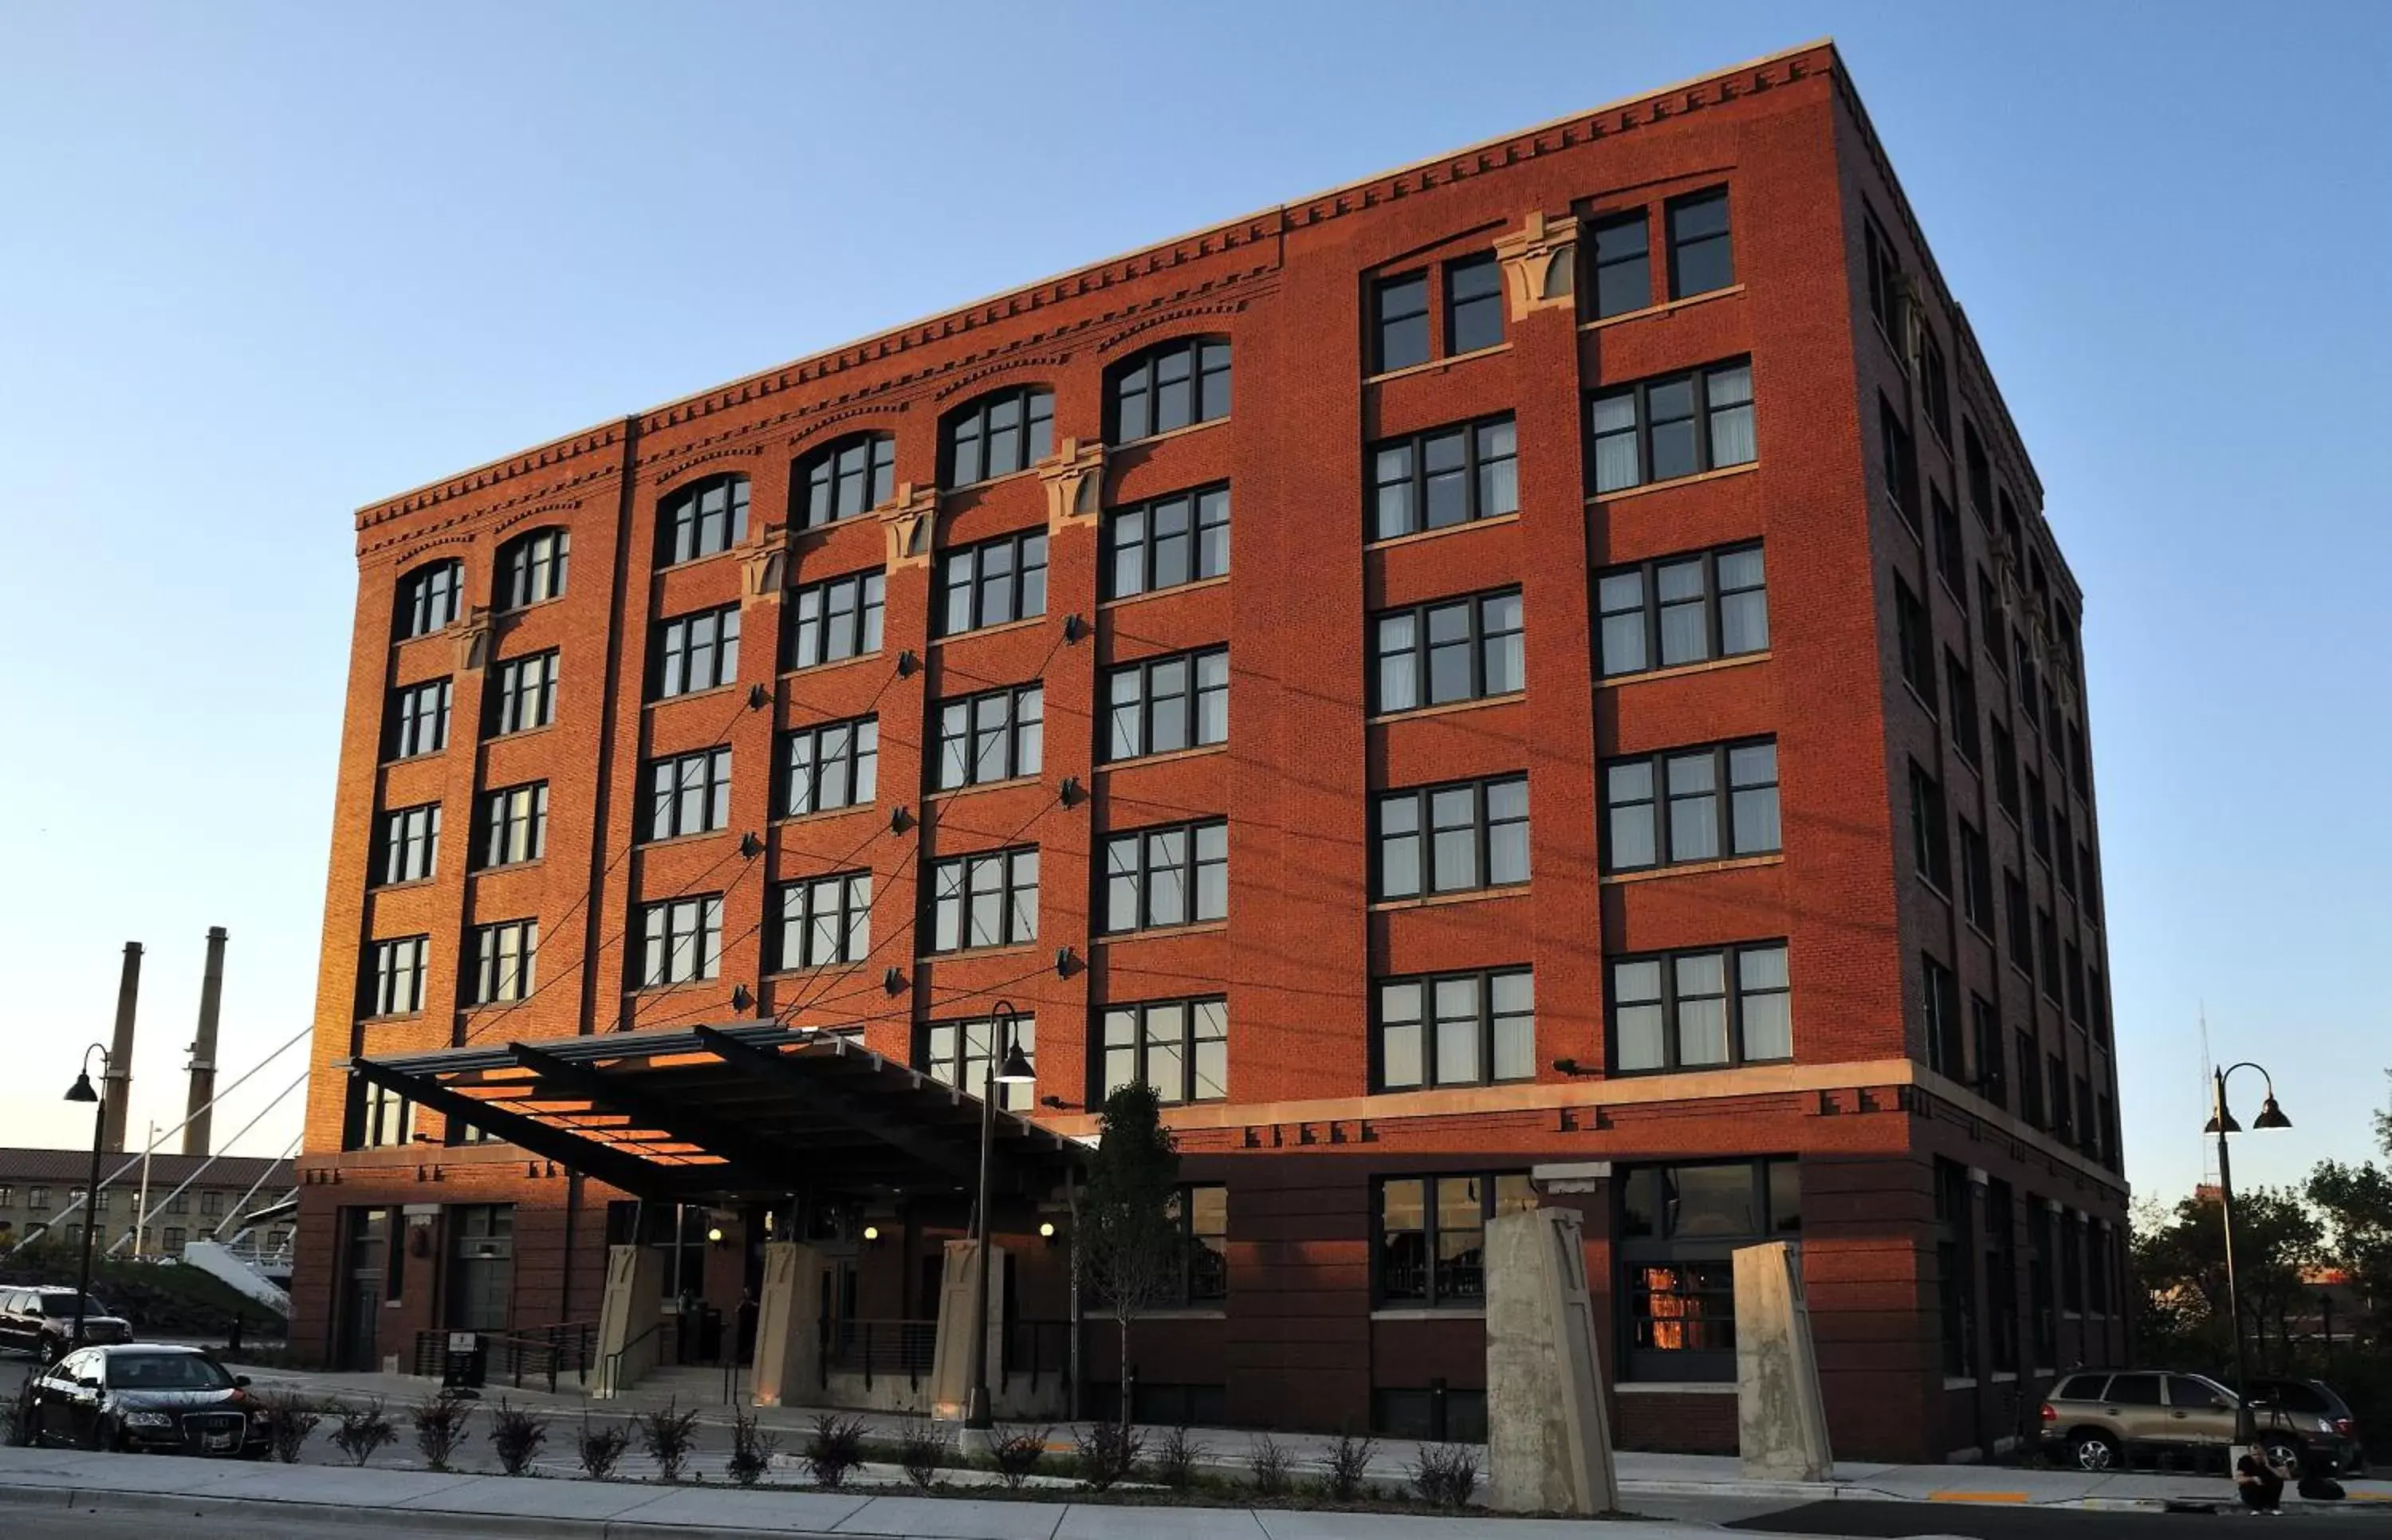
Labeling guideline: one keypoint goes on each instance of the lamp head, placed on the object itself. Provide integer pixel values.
(2271, 1116)
(1016, 1068)
(2228, 1126)
(80, 1091)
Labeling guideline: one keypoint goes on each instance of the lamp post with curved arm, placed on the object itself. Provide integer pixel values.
(1007, 1066)
(82, 1091)
(2221, 1123)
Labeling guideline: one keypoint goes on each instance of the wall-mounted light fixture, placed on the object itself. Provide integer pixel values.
(1058, 1103)
(1074, 628)
(714, 1235)
(871, 1234)
(740, 998)
(1063, 962)
(758, 697)
(749, 845)
(1572, 1067)
(900, 819)
(1069, 792)
(892, 980)
(1047, 1230)
(907, 663)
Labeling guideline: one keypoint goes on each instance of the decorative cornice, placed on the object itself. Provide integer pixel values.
(1074, 477)
(1260, 232)
(909, 519)
(1540, 264)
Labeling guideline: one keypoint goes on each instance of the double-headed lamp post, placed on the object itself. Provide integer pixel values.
(82, 1091)
(1007, 1066)
(2221, 1123)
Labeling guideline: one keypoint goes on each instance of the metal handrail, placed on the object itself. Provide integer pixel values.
(666, 1329)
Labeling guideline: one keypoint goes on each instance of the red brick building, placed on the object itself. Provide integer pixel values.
(1551, 657)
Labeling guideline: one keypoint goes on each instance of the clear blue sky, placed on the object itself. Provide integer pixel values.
(262, 263)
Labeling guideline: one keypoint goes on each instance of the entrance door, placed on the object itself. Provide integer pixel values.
(358, 1307)
(482, 1266)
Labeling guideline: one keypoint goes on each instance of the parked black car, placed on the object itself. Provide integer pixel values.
(41, 1321)
(2307, 1404)
(143, 1397)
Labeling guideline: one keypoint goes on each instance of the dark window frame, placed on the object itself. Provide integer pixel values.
(1020, 736)
(418, 729)
(1010, 889)
(1653, 609)
(1483, 828)
(1930, 829)
(1189, 871)
(1206, 534)
(492, 957)
(532, 567)
(1687, 248)
(1638, 257)
(974, 425)
(1141, 379)
(1945, 1031)
(1488, 299)
(948, 1044)
(1385, 322)
(689, 531)
(406, 844)
(664, 926)
(801, 905)
(1661, 799)
(1478, 634)
(1446, 1283)
(1489, 477)
(1022, 582)
(1192, 1046)
(429, 599)
(701, 644)
(1191, 703)
(1668, 1002)
(396, 975)
(1655, 1247)
(1704, 416)
(520, 702)
(839, 617)
(501, 812)
(844, 479)
(1486, 1024)
(857, 753)
(669, 793)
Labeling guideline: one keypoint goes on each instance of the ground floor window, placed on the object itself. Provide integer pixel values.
(1431, 1413)
(1677, 1230)
(1433, 1236)
(482, 1265)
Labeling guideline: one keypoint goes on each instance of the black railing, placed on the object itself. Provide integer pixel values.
(885, 1350)
(1034, 1348)
(667, 1332)
(534, 1353)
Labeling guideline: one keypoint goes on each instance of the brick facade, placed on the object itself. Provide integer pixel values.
(1303, 1338)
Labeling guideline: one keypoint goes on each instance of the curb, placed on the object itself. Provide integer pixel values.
(421, 1521)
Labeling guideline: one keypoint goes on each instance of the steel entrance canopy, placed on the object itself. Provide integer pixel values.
(713, 1113)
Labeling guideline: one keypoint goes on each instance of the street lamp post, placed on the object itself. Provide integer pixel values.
(2221, 1123)
(82, 1091)
(1005, 1067)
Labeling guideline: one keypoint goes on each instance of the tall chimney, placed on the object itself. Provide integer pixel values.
(203, 1048)
(118, 1081)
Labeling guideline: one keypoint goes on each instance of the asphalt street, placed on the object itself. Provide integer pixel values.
(59, 1523)
(2006, 1521)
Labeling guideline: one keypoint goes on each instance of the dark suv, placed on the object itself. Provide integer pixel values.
(2307, 1404)
(41, 1321)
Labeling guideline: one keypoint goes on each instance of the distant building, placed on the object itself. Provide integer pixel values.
(41, 1192)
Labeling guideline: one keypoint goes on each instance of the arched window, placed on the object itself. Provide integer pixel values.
(531, 567)
(1003, 432)
(701, 519)
(839, 481)
(428, 599)
(1170, 385)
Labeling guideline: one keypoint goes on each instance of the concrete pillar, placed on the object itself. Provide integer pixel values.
(788, 1336)
(629, 1316)
(1781, 1421)
(1548, 1445)
(950, 1358)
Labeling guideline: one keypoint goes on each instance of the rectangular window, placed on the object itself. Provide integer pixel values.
(2047, 953)
(409, 849)
(525, 696)
(988, 899)
(1683, 806)
(680, 941)
(1179, 1049)
(695, 652)
(1931, 838)
(837, 618)
(2014, 917)
(848, 478)
(709, 517)
(1934, 388)
(1000, 433)
(1400, 322)
(1946, 1048)
(1915, 641)
(2088, 882)
(394, 976)
(2071, 968)
(1623, 265)
(1700, 258)
(429, 599)
(1455, 650)
(2006, 771)
(1174, 876)
(1956, 1262)
(2064, 1119)
(2063, 840)
(1899, 464)
(503, 958)
(1444, 477)
(2080, 773)
(1181, 538)
(1473, 303)
(1701, 1010)
(1680, 610)
(531, 567)
(689, 794)
(823, 921)
(381, 1118)
(956, 1054)
(1951, 561)
(419, 720)
(1453, 838)
(1202, 1211)
(1456, 1028)
(994, 583)
(1432, 1235)
(2072, 1265)
(1163, 705)
(1986, 1030)
(1170, 387)
(1678, 1228)
(1976, 878)
(1960, 688)
(1676, 426)
(993, 736)
(2039, 819)
(514, 824)
(1884, 279)
(833, 765)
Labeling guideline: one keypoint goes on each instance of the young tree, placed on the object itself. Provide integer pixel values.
(1128, 1238)
(2180, 1261)
(2357, 1203)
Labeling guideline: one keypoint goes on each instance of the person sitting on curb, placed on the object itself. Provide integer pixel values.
(2258, 1482)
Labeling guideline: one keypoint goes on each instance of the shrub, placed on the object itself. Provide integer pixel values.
(440, 1421)
(1267, 1465)
(1018, 1453)
(923, 1447)
(834, 1449)
(1349, 1467)
(1107, 1453)
(1444, 1474)
(517, 1435)
(289, 1420)
(751, 1449)
(363, 1430)
(668, 1434)
(1176, 1457)
(600, 1446)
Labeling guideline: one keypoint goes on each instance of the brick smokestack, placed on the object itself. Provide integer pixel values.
(117, 1091)
(203, 1048)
